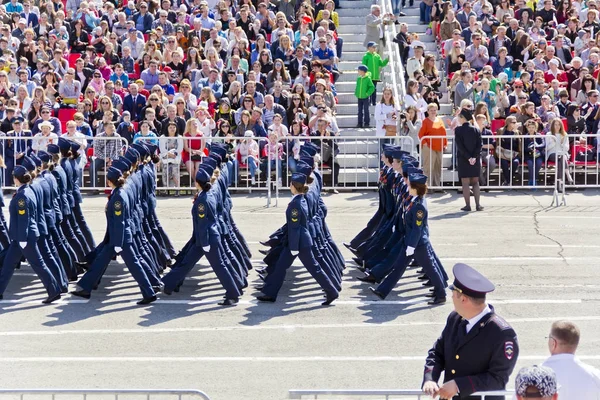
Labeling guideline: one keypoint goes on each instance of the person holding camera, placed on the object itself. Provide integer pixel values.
(386, 114)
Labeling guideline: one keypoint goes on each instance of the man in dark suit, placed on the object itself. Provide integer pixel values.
(513, 28)
(296, 64)
(498, 41)
(134, 103)
(29, 15)
(83, 74)
(477, 350)
(15, 150)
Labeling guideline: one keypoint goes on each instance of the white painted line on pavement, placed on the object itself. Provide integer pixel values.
(362, 325)
(249, 359)
(567, 246)
(30, 301)
(357, 302)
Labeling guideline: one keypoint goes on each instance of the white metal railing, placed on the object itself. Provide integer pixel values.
(395, 76)
(356, 161)
(382, 394)
(116, 394)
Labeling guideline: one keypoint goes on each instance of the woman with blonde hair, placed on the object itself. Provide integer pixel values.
(23, 100)
(213, 57)
(185, 92)
(557, 147)
(152, 49)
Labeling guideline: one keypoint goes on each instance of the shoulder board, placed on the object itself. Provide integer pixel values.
(500, 322)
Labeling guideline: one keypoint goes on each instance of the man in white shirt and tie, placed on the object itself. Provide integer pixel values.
(577, 380)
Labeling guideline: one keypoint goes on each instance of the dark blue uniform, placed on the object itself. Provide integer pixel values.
(299, 242)
(478, 361)
(23, 230)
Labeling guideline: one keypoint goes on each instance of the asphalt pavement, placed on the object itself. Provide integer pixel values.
(543, 260)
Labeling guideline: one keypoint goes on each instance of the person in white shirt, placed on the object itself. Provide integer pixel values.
(45, 137)
(577, 380)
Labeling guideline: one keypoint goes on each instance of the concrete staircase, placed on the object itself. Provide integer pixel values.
(358, 158)
(412, 19)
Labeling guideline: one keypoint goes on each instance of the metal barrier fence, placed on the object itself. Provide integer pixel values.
(100, 394)
(382, 394)
(345, 162)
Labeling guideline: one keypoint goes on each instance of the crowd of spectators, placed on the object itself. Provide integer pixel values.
(187, 70)
(528, 69)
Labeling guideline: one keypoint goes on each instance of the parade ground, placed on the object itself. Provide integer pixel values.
(544, 262)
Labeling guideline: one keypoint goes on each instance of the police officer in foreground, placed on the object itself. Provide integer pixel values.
(477, 350)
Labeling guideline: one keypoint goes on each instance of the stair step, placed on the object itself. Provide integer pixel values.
(354, 12)
(410, 12)
(353, 46)
(353, 131)
(359, 146)
(345, 29)
(346, 4)
(354, 160)
(353, 176)
(347, 76)
(352, 108)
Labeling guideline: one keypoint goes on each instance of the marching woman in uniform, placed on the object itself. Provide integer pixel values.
(299, 243)
(206, 241)
(24, 233)
(417, 245)
(4, 239)
(468, 142)
(59, 240)
(120, 241)
(77, 213)
(70, 227)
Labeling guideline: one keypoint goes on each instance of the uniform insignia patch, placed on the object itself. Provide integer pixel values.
(201, 208)
(21, 212)
(509, 350)
(21, 203)
(419, 223)
(420, 214)
(118, 205)
(294, 213)
(118, 213)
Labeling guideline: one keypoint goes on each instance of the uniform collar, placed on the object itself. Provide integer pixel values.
(473, 321)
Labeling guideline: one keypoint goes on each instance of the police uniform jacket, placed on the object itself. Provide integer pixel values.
(415, 223)
(479, 361)
(297, 215)
(205, 219)
(130, 192)
(117, 215)
(39, 199)
(390, 201)
(23, 220)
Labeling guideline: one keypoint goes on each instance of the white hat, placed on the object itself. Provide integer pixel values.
(46, 124)
(203, 105)
(248, 134)
(554, 61)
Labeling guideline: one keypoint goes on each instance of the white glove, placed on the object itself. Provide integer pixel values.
(294, 252)
(393, 228)
(118, 249)
(410, 251)
(22, 244)
(206, 248)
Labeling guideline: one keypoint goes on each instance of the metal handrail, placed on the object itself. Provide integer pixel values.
(297, 394)
(149, 393)
(396, 75)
